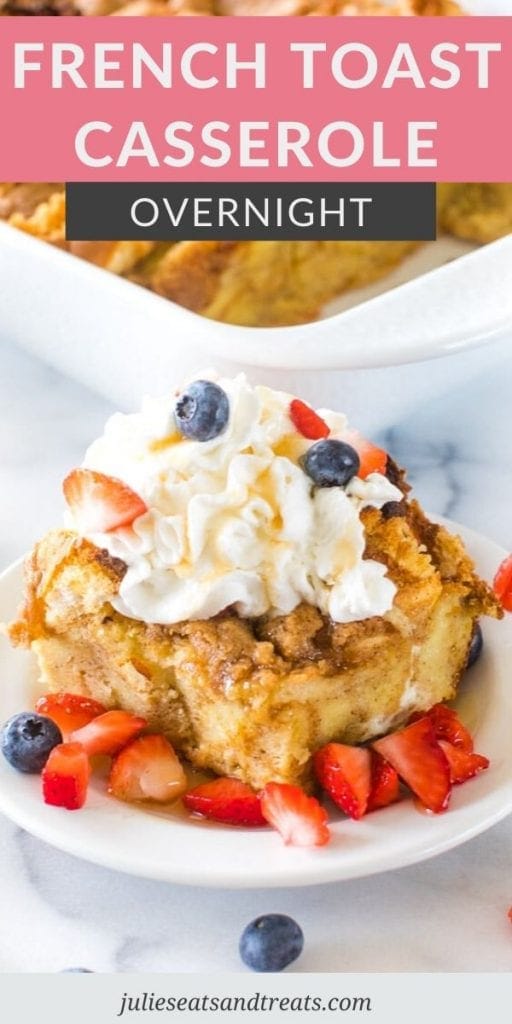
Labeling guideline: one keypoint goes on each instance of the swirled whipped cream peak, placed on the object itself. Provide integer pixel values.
(243, 498)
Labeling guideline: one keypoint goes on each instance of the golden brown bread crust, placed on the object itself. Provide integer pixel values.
(254, 698)
(23, 198)
(479, 212)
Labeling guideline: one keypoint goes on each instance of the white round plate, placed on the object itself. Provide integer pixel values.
(178, 849)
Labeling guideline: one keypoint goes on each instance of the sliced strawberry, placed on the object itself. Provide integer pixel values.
(502, 584)
(69, 710)
(65, 776)
(509, 914)
(307, 421)
(448, 726)
(372, 459)
(108, 733)
(385, 788)
(417, 757)
(226, 800)
(299, 818)
(463, 765)
(147, 769)
(100, 503)
(345, 774)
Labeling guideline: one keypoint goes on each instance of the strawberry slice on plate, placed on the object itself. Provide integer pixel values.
(101, 503)
(69, 711)
(108, 733)
(448, 726)
(300, 819)
(385, 787)
(419, 760)
(65, 776)
(372, 459)
(226, 800)
(345, 774)
(147, 769)
(502, 584)
(463, 764)
(307, 421)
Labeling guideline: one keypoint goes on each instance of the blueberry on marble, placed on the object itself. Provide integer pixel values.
(476, 646)
(202, 411)
(271, 942)
(331, 463)
(27, 740)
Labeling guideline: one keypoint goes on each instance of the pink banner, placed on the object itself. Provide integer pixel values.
(245, 99)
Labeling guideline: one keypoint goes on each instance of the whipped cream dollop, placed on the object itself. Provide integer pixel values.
(235, 521)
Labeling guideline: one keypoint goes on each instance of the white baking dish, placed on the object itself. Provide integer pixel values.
(377, 360)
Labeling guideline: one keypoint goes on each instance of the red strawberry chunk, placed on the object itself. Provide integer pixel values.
(101, 503)
(448, 726)
(147, 769)
(385, 788)
(371, 458)
(345, 774)
(69, 710)
(307, 421)
(299, 818)
(65, 776)
(108, 733)
(502, 584)
(509, 914)
(226, 800)
(417, 757)
(463, 765)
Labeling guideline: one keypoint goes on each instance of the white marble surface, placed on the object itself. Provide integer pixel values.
(448, 914)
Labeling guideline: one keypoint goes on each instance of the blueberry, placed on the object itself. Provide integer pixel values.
(27, 739)
(271, 942)
(331, 463)
(202, 411)
(476, 645)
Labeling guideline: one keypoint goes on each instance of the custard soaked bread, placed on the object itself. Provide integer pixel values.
(254, 699)
(253, 611)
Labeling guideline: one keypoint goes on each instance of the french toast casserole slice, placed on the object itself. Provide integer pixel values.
(255, 698)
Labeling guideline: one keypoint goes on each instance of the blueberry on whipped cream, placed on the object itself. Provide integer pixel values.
(202, 411)
(331, 463)
(231, 517)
